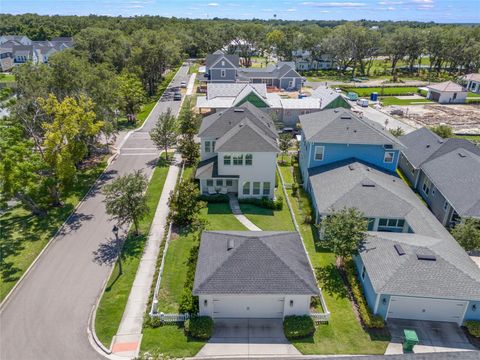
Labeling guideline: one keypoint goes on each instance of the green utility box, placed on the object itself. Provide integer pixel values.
(410, 339)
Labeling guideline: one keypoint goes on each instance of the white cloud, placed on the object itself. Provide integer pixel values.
(212, 4)
(291, 10)
(334, 4)
(422, 1)
(390, 2)
(425, 7)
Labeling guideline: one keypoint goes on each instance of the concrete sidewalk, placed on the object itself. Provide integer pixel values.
(191, 84)
(129, 335)
(237, 212)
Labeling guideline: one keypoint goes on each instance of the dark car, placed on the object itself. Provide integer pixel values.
(177, 96)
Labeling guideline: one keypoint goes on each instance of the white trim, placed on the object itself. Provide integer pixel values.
(220, 58)
(323, 153)
(377, 302)
(385, 157)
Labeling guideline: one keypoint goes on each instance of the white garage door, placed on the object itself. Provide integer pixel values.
(426, 309)
(248, 307)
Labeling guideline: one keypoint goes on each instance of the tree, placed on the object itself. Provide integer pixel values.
(284, 144)
(467, 233)
(443, 131)
(164, 133)
(130, 93)
(125, 199)
(184, 204)
(398, 131)
(343, 231)
(396, 46)
(189, 123)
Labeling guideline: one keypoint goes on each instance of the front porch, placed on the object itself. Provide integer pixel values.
(216, 186)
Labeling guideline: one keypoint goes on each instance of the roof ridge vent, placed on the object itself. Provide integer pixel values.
(368, 183)
(230, 244)
(426, 257)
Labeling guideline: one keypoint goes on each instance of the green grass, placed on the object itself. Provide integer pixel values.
(114, 299)
(392, 100)
(471, 95)
(5, 78)
(386, 91)
(472, 138)
(23, 236)
(343, 334)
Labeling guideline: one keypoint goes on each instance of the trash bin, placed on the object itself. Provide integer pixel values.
(410, 339)
(374, 96)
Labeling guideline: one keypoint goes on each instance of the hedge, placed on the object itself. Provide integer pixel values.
(369, 319)
(218, 198)
(264, 202)
(473, 327)
(296, 327)
(200, 327)
(189, 303)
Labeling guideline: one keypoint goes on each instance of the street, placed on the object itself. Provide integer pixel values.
(47, 316)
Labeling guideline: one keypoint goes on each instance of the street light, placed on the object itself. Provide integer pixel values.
(115, 230)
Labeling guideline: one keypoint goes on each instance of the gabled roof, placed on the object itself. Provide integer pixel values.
(343, 126)
(453, 275)
(420, 145)
(218, 124)
(212, 59)
(233, 90)
(253, 262)
(447, 86)
(271, 71)
(208, 169)
(326, 94)
(376, 193)
(473, 77)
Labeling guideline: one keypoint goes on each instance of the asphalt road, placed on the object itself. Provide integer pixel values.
(47, 316)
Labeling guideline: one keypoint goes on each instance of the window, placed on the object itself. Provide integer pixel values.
(229, 182)
(454, 96)
(219, 182)
(223, 73)
(223, 62)
(238, 159)
(392, 222)
(426, 186)
(445, 206)
(389, 156)
(391, 225)
(248, 159)
(213, 146)
(256, 188)
(319, 150)
(371, 224)
(382, 222)
(209, 182)
(207, 147)
(266, 188)
(227, 159)
(364, 271)
(246, 188)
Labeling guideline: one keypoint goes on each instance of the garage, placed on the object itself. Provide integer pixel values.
(248, 307)
(402, 307)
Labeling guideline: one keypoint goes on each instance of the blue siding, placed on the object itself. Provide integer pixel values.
(383, 306)
(370, 294)
(470, 313)
(372, 154)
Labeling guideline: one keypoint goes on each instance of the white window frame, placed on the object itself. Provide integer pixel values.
(445, 205)
(207, 147)
(426, 186)
(315, 153)
(243, 188)
(385, 157)
(227, 158)
(236, 157)
(229, 183)
(248, 159)
(266, 188)
(219, 182)
(223, 73)
(209, 181)
(256, 191)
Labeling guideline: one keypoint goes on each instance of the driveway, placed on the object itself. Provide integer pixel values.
(248, 337)
(433, 336)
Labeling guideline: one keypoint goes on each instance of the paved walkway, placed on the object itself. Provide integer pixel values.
(237, 212)
(191, 84)
(127, 341)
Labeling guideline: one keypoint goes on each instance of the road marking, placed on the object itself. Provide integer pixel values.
(145, 148)
(137, 154)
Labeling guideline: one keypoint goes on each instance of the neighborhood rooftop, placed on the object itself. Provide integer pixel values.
(447, 86)
(249, 262)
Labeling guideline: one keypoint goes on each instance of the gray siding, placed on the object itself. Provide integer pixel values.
(434, 200)
(216, 75)
(408, 170)
(284, 82)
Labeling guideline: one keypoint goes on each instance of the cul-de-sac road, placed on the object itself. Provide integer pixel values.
(47, 315)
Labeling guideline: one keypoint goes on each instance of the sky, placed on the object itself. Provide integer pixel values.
(442, 11)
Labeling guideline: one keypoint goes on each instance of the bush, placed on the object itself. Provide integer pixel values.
(264, 202)
(200, 327)
(296, 327)
(218, 198)
(152, 322)
(308, 220)
(473, 327)
(369, 319)
(189, 303)
(294, 189)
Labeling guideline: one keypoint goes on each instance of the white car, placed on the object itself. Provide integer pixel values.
(183, 84)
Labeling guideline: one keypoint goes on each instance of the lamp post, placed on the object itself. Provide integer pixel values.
(119, 249)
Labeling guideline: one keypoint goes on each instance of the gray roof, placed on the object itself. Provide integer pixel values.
(326, 94)
(208, 169)
(453, 275)
(352, 183)
(271, 71)
(260, 262)
(447, 86)
(215, 90)
(420, 145)
(343, 126)
(213, 58)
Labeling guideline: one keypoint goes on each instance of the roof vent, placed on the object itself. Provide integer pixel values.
(428, 145)
(440, 141)
(368, 183)
(238, 110)
(426, 257)
(351, 167)
(462, 155)
(399, 249)
(336, 111)
(230, 244)
(346, 117)
(240, 125)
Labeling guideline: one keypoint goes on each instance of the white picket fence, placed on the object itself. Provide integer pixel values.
(171, 318)
(320, 317)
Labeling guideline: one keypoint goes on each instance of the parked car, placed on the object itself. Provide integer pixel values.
(183, 84)
(177, 96)
(362, 102)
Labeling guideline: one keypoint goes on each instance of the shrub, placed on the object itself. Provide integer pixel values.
(200, 327)
(296, 327)
(189, 303)
(369, 319)
(294, 189)
(264, 202)
(307, 219)
(218, 198)
(152, 322)
(473, 327)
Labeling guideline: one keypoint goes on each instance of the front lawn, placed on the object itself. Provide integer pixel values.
(23, 236)
(393, 100)
(7, 78)
(114, 299)
(343, 334)
(385, 91)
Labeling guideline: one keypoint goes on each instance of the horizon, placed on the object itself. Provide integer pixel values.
(438, 11)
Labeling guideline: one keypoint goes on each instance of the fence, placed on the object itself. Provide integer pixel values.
(320, 317)
(171, 318)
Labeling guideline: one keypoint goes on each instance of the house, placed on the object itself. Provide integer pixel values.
(221, 67)
(447, 92)
(19, 39)
(304, 61)
(253, 274)
(6, 58)
(238, 153)
(411, 276)
(285, 110)
(445, 172)
(472, 82)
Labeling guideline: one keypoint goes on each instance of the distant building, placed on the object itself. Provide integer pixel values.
(472, 82)
(447, 92)
(304, 61)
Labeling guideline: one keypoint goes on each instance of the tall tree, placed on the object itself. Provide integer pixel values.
(396, 46)
(284, 144)
(189, 124)
(130, 93)
(467, 233)
(164, 133)
(125, 199)
(184, 204)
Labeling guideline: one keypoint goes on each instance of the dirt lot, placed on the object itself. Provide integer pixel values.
(463, 118)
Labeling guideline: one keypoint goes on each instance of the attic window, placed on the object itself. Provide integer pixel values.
(230, 244)
(426, 257)
(399, 249)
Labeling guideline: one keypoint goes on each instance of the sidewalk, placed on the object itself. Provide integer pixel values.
(237, 212)
(191, 84)
(129, 335)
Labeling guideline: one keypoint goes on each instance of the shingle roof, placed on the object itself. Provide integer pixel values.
(473, 77)
(343, 184)
(326, 94)
(342, 126)
(420, 145)
(453, 275)
(208, 169)
(217, 90)
(260, 262)
(270, 71)
(447, 86)
(213, 58)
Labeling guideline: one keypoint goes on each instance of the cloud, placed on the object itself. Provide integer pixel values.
(212, 4)
(335, 4)
(425, 7)
(421, 1)
(390, 2)
(134, 6)
(291, 10)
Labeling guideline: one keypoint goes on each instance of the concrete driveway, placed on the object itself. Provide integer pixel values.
(433, 336)
(248, 337)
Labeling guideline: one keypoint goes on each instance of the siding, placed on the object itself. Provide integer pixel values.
(338, 102)
(470, 314)
(434, 200)
(368, 290)
(408, 170)
(254, 100)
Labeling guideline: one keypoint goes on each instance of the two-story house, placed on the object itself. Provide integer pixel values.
(445, 172)
(221, 67)
(238, 153)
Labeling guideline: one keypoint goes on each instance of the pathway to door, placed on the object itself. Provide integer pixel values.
(237, 212)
